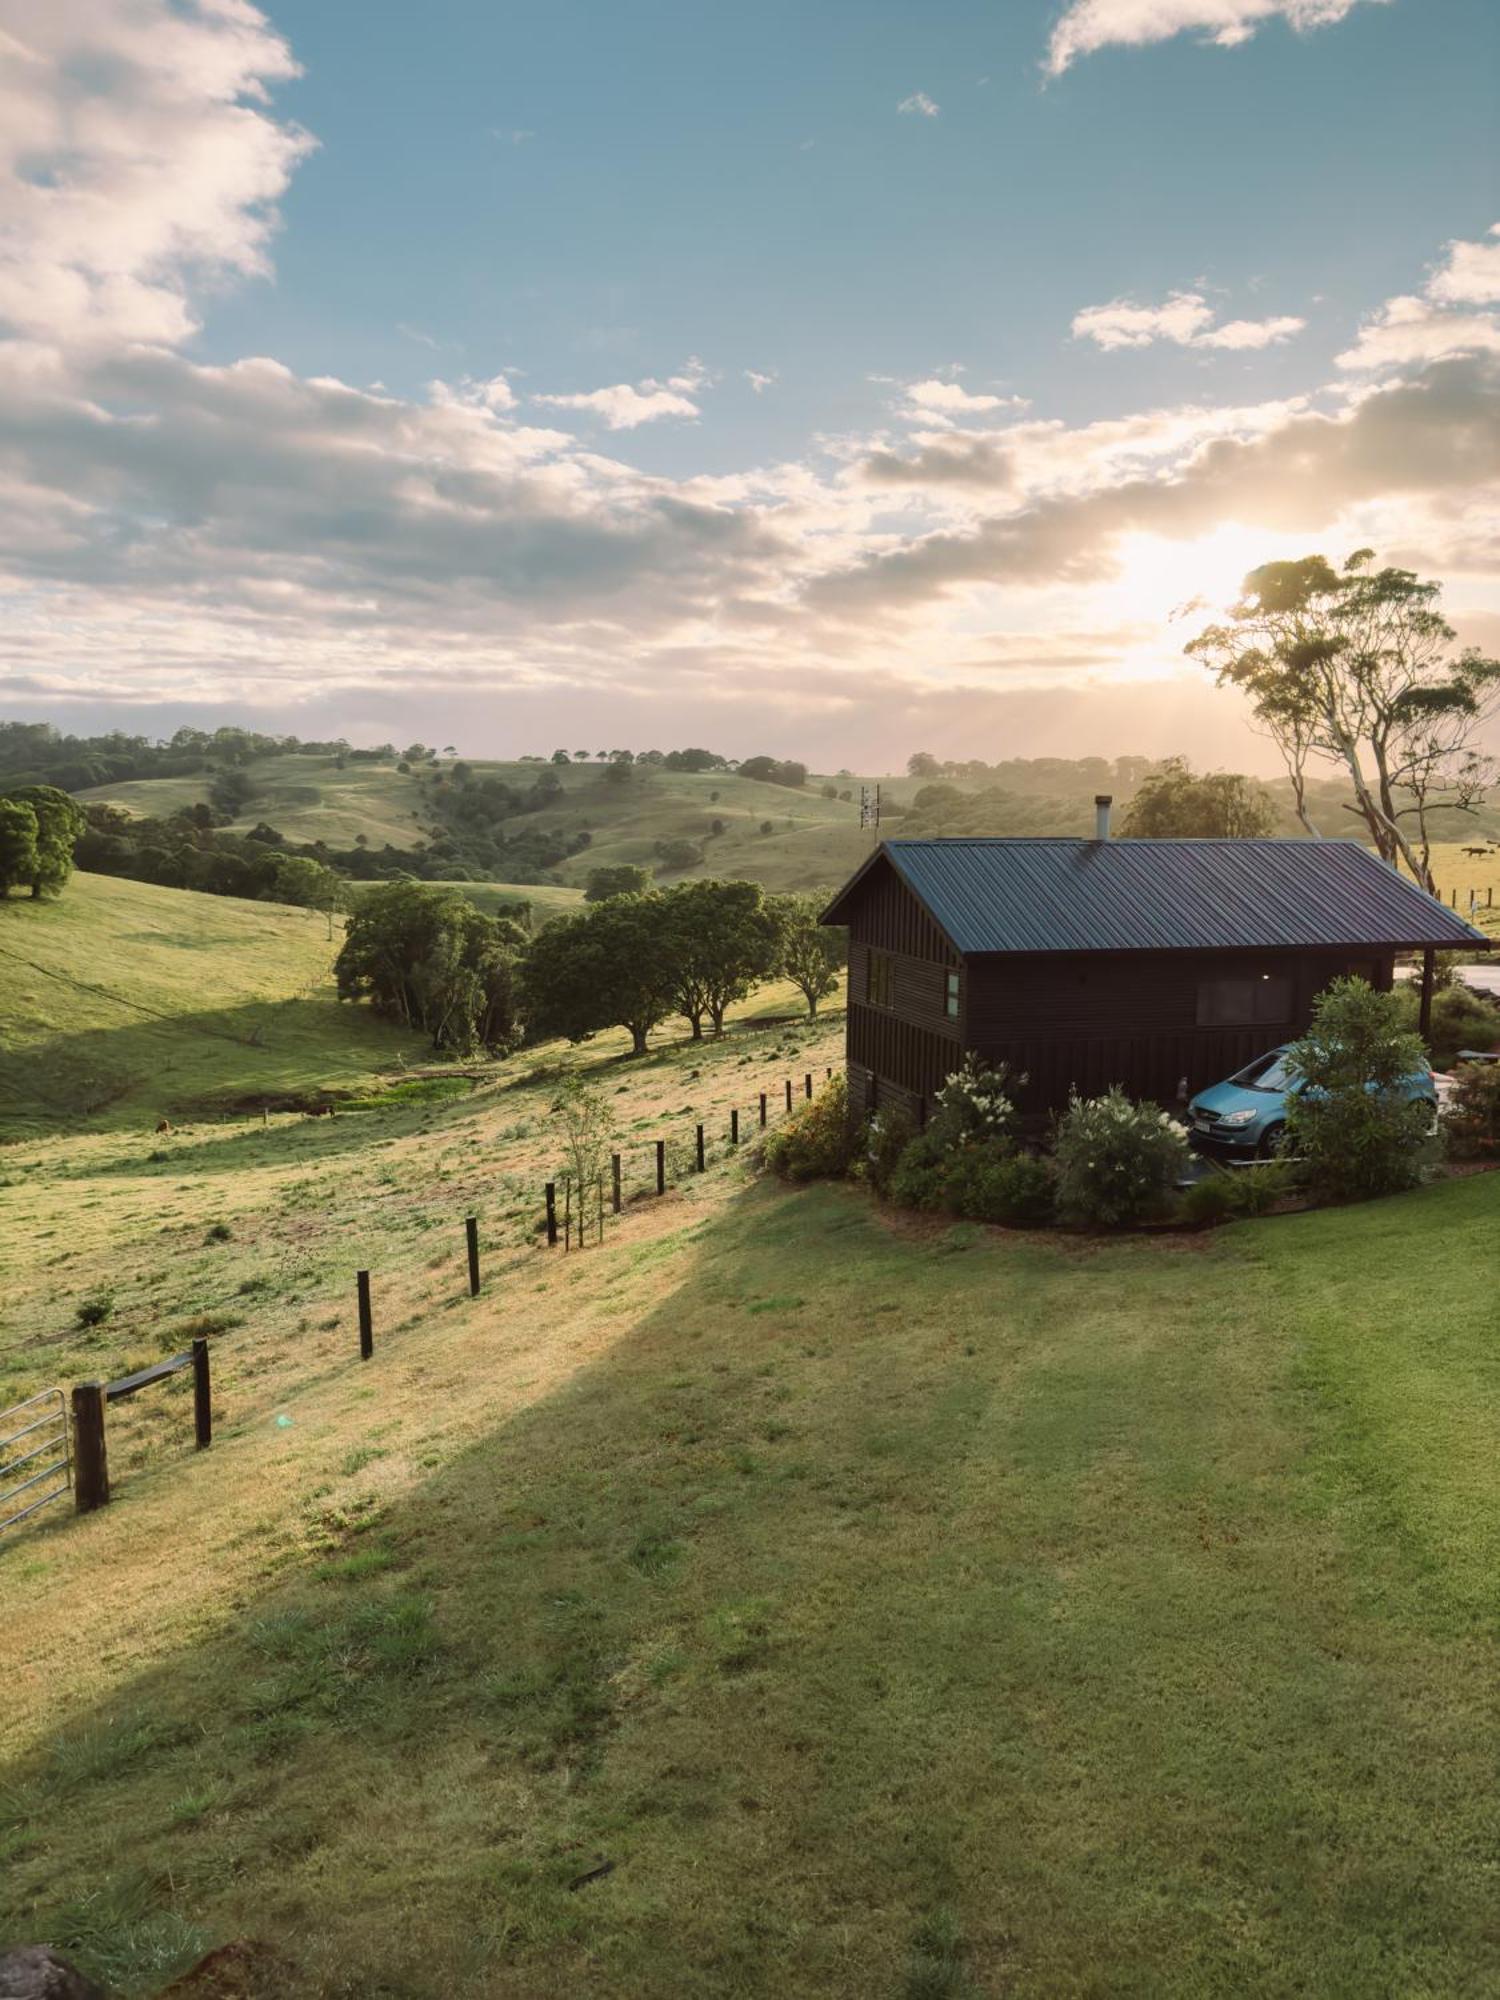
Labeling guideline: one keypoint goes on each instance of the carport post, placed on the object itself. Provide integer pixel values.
(1424, 1016)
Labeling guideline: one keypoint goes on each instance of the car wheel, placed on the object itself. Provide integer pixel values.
(1272, 1143)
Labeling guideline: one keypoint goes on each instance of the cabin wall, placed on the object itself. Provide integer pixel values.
(901, 1053)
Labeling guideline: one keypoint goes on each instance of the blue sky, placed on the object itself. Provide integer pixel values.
(828, 371)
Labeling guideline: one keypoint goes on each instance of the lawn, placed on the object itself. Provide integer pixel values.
(781, 1599)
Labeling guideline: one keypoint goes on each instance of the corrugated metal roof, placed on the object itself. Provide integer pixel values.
(1040, 895)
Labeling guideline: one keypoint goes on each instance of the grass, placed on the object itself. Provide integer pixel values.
(173, 1002)
(781, 1599)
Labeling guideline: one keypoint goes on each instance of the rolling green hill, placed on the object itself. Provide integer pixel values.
(305, 798)
(122, 1002)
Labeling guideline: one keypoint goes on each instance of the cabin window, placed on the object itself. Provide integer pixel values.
(950, 996)
(1250, 1000)
(881, 990)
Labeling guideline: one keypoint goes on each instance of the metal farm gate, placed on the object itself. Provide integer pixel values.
(36, 1458)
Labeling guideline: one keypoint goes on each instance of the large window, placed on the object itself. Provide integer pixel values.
(1249, 1000)
(950, 996)
(881, 991)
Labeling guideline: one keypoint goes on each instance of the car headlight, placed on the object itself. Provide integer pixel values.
(1238, 1118)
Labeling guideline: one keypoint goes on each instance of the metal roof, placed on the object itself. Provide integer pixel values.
(1040, 895)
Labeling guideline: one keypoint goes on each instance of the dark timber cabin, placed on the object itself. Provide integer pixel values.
(1093, 962)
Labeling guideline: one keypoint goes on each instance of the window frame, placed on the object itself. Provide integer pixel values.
(1271, 1000)
(952, 993)
(880, 980)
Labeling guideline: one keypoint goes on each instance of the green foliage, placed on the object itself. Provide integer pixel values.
(887, 1135)
(609, 966)
(307, 884)
(625, 880)
(588, 1127)
(427, 958)
(775, 771)
(991, 1183)
(974, 1104)
(95, 1310)
(1208, 1201)
(676, 857)
(59, 826)
(1118, 1162)
(1461, 1019)
(817, 1142)
(19, 831)
(808, 952)
(721, 938)
(1173, 803)
(1471, 1119)
(918, 1178)
(1351, 1124)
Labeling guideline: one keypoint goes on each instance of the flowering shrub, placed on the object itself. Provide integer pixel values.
(1472, 1119)
(1118, 1162)
(974, 1104)
(887, 1136)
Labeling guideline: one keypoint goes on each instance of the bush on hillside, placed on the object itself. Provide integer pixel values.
(1118, 1162)
(816, 1142)
(1353, 1127)
(1461, 1019)
(1472, 1118)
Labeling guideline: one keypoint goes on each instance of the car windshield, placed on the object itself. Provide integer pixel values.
(1272, 1072)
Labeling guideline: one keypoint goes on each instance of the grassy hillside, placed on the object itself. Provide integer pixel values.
(122, 1001)
(778, 1600)
(306, 798)
(547, 899)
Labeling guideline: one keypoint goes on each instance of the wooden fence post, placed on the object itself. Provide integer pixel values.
(366, 1324)
(700, 1149)
(568, 1214)
(614, 1169)
(90, 1461)
(203, 1409)
(734, 1128)
(471, 1233)
(601, 1208)
(763, 1109)
(807, 1084)
(661, 1166)
(552, 1215)
(789, 1094)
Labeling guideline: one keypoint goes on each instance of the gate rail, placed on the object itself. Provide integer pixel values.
(45, 1422)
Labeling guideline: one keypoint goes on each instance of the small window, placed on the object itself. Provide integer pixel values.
(950, 996)
(881, 990)
(1253, 1000)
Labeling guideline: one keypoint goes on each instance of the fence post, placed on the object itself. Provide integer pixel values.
(763, 1108)
(661, 1166)
(471, 1232)
(700, 1149)
(614, 1169)
(568, 1214)
(601, 1208)
(734, 1128)
(807, 1084)
(203, 1409)
(552, 1215)
(789, 1094)
(366, 1324)
(90, 1461)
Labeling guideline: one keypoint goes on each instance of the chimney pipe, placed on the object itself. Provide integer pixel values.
(1102, 804)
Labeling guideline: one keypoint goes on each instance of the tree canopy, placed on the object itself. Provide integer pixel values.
(1174, 803)
(605, 967)
(429, 959)
(808, 952)
(720, 939)
(40, 858)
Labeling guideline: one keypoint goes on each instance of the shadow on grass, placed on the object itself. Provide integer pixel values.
(875, 1617)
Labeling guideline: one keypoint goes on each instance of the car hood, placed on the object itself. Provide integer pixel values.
(1222, 1098)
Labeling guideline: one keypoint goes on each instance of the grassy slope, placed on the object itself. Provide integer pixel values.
(899, 1611)
(306, 798)
(167, 996)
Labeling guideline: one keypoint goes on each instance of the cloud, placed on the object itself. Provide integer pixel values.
(1408, 329)
(760, 382)
(1089, 25)
(934, 398)
(1469, 274)
(1186, 318)
(625, 406)
(138, 158)
(919, 105)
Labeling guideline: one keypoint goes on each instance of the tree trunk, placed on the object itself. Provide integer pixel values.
(637, 1039)
(718, 1017)
(697, 1021)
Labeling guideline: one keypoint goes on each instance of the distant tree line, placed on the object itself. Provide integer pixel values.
(427, 958)
(36, 753)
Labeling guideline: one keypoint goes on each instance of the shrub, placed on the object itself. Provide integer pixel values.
(94, 1311)
(919, 1176)
(1207, 1202)
(1472, 1118)
(816, 1142)
(1461, 1019)
(974, 1105)
(993, 1184)
(887, 1135)
(1118, 1162)
(1354, 1129)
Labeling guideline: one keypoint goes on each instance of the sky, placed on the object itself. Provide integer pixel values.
(833, 381)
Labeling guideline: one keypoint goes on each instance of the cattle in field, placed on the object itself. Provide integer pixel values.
(163, 1125)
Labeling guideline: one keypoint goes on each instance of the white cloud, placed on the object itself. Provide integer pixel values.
(1089, 25)
(625, 406)
(1469, 274)
(1408, 329)
(1185, 318)
(760, 381)
(138, 157)
(919, 105)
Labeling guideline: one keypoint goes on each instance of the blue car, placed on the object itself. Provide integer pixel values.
(1245, 1116)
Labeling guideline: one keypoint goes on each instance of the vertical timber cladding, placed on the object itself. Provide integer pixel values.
(902, 1051)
